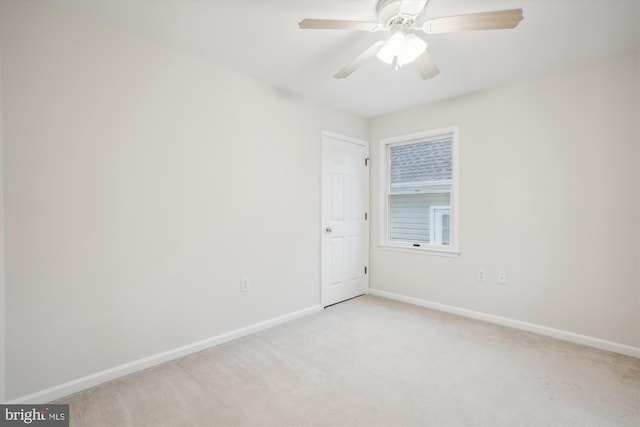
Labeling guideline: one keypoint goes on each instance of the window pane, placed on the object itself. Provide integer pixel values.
(409, 219)
(446, 230)
(422, 166)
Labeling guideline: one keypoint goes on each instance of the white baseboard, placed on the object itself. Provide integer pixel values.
(516, 324)
(68, 388)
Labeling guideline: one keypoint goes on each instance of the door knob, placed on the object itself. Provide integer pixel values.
(328, 229)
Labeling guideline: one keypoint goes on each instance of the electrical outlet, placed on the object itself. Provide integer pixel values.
(245, 285)
(502, 277)
(481, 275)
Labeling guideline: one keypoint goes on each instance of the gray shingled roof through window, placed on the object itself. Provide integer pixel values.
(421, 163)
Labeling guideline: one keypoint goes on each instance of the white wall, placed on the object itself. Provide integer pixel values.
(141, 185)
(638, 200)
(2, 293)
(549, 193)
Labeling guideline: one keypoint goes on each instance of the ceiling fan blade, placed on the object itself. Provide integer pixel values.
(426, 67)
(497, 20)
(334, 24)
(361, 59)
(413, 7)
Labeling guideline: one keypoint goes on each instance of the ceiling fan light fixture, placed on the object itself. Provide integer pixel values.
(401, 49)
(415, 47)
(393, 48)
(404, 17)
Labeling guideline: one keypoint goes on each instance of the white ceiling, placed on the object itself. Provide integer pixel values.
(261, 38)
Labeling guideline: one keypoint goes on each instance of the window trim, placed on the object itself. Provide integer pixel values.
(384, 189)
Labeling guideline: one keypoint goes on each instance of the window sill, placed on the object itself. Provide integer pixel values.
(424, 251)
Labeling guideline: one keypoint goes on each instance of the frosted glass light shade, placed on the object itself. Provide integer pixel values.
(406, 47)
(393, 47)
(415, 47)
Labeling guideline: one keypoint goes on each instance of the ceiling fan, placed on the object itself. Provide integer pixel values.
(403, 18)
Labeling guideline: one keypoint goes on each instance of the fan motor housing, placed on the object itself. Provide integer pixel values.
(389, 10)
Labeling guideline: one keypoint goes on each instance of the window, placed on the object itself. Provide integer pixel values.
(440, 225)
(420, 190)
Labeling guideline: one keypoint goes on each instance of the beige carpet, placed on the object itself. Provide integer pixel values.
(375, 362)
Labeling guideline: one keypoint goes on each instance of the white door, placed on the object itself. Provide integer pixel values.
(345, 225)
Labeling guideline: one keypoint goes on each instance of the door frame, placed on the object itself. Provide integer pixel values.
(323, 220)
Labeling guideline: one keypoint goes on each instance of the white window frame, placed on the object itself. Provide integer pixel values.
(385, 165)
